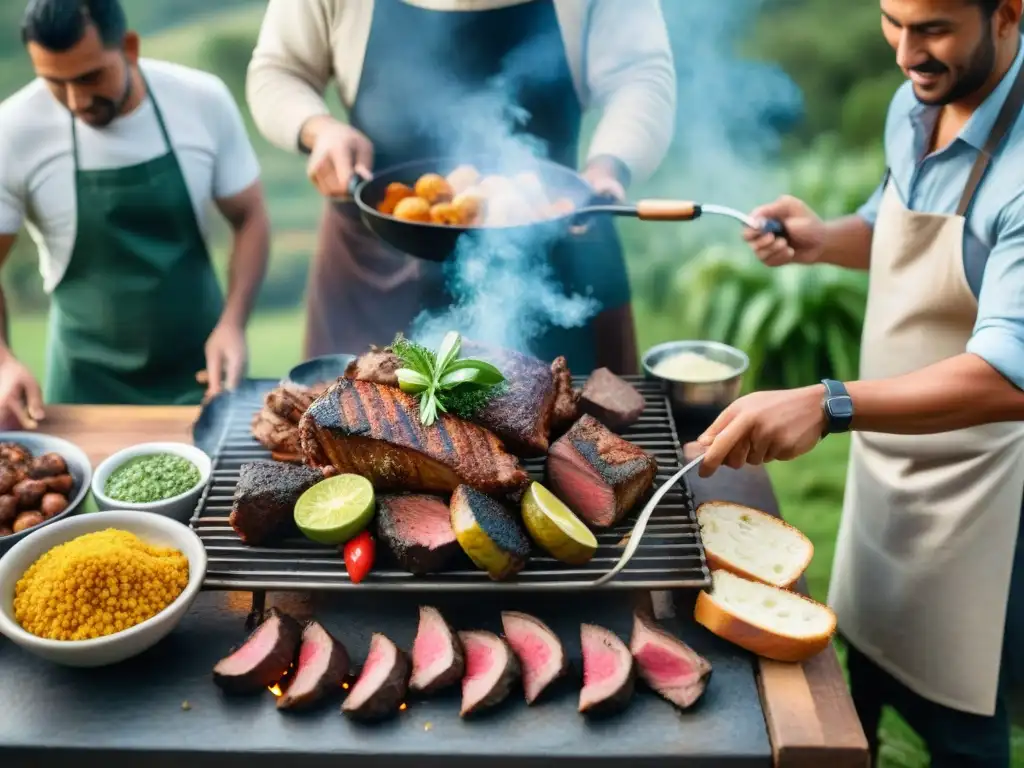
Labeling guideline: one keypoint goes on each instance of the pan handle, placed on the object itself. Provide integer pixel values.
(666, 210)
(354, 181)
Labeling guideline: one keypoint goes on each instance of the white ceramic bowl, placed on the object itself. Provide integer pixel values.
(178, 507)
(121, 645)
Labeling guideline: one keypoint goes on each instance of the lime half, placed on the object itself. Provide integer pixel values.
(555, 528)
(335, 509)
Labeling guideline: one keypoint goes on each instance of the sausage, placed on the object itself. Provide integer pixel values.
(61, 484)
(53, 504)
(47, 465)
(9, 477)
(27, 520)
(8, 509)
(29, 493)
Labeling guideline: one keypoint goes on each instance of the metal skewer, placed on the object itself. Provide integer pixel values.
(641, 523)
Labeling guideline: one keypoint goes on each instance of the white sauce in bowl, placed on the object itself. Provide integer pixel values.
(692, 367)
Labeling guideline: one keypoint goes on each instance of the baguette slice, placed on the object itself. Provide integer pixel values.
(753, 544)
(769, 621)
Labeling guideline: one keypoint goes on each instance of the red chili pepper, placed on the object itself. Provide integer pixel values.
(359, 555)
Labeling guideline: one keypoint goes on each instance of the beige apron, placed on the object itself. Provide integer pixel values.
(925, 548)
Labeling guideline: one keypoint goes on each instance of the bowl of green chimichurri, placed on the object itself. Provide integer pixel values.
(165, 478)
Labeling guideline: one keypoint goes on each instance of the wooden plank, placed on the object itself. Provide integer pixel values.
(810, 715)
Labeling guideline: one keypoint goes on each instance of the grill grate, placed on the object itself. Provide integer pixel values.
(670, 555)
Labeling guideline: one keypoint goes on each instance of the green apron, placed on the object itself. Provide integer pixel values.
(130, 317)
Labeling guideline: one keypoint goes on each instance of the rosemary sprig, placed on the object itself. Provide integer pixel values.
(443, 380)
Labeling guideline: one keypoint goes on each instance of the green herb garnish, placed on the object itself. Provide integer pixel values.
(443, 380)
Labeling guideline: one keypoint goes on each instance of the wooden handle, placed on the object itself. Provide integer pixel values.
(666, 210)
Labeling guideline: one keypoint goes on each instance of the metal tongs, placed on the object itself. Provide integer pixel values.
(641, 522)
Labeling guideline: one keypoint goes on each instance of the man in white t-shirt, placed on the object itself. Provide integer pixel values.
(112, 163)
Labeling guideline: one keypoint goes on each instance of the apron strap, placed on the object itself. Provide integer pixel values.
(1007, 115)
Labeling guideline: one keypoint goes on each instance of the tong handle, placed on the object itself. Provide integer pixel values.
(775, 227)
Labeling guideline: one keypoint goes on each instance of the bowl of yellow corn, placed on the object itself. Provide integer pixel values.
(97, 589)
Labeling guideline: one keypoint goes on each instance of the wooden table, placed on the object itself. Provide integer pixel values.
(810, 716)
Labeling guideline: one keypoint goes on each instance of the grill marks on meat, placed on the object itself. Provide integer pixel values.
(375, 431)
(264, 501)
(597, 473)
(276, 425)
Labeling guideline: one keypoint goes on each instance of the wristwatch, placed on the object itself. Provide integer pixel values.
(838, 407)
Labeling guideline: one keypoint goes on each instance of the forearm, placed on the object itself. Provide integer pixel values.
(5, 339)
(848, 243)
(247, 267)
(960, 392)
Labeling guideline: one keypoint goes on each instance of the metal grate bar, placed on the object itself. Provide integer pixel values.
(670, 556)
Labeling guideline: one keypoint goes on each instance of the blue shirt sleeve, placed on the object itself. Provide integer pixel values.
(998, 335)
(869, 210)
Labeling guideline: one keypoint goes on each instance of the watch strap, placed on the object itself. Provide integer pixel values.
(838, 407)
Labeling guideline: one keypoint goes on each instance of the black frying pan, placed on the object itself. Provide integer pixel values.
(436, 242)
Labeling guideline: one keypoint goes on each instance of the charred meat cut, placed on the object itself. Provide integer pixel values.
(538, 649)
(375, 431)
(668, 665)
(382, 684)
(276, 434)
(597, 473)
(379, 366)
(289, 401)
(613, 401)
(276, 424)
(418, 531)
(263, 659)
(322, 668)
(263, 506)
(491, 670)
(609, 674)
(438, 660)
(566, 408)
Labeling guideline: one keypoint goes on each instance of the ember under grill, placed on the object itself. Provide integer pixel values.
(670, 555)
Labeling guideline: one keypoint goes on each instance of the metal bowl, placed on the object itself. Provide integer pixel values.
(79, 467)
(699, 400)
(317, 370)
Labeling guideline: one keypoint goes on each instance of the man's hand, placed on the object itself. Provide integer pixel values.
(21, 401)
(337, 151)
(763, 427)
(806, 240)
(226, 358)
(604, 182)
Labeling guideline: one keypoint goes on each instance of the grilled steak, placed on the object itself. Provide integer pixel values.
(382, 684)
(491, 671)
(538, 649)
(418, 530)
(375, 431)
(597, 473)
(613, 401)
(378, 365)
(263, 658)
(276, 434)
(321, 669)
(566, 408)
(289, 401)
(609, 673)
(667, 664)
(438, 659)
(264, 501)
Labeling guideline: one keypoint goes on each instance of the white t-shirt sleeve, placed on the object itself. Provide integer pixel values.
(235, 165)
(12, 200)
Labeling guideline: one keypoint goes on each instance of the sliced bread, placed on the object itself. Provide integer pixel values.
(769, 621)
(752, 543)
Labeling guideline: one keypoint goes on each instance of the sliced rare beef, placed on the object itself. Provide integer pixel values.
(263, 507)
(382, 683)
(597, 473)
(491, 671)
(611, 400)
(418, 530)
(667, 664)
(438, 660)
(263, 659)
(538, 649)
(488, 533)
(375, 431)
(322, 668)
(609, 674)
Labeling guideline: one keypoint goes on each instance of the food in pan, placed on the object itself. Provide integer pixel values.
(541, 656)
(382, 684)
(769, 621)
(445, 213)
(609, 673)
(611, 400)
(438, 659)
(462, 178)
(555, 528)
(335, 509)
(65, 594)
(491, 671)
(418, 530)
(322, 668)
(753, 544)
(154, 477)
(597, 473)
(488, 534)
(32, 488)
(375, 431)
(668, 665)
(263, 505)
(263, 659)
(412, 209)
(394, 193)
(433, 188)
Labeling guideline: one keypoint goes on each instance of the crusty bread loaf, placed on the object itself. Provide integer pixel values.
(752, 543)
(769, 621)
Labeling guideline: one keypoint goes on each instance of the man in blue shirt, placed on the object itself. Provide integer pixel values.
(928, 579)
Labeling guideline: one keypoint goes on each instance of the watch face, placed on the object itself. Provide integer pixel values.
(840, 407)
